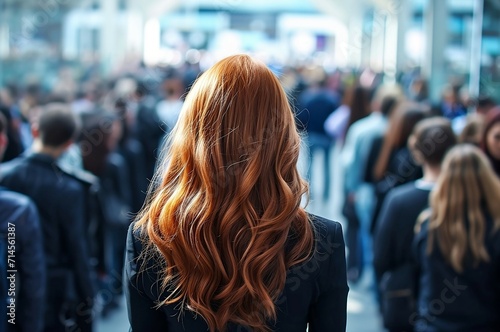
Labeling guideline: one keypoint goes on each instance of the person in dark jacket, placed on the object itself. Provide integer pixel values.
(319, 102)
(60, 201)
(101, 160)
(223, 243)
(21, 248)
(393, 236)
(458, 248)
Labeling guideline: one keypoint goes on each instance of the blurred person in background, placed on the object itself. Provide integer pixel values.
(29, 109)
(149, 130)
(359, 194)
(216, 246)
(318, 102)
(60, 200)
(490, 142)
(457, 249)
(452, 105)
(133, 153)
(169, 108)
(392, 239)
(419, 91)
(14, 145)
(473, 129)
(394, 165)
(84, 102)
(482, 106)
(101, 134)
(18, 215)
(355, 106)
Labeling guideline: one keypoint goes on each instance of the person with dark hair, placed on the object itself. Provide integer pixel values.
(419, 90)
(223, 243)
(101, 134)
(452, 105)
(133, 153)
(457, 248)
(355, 106)
(359, 193)
(394, 164)
(14, 145)
(149, 130)
(430, 140)
(21, 239)
(59, 198)
(490, 142)
(318, 102)
(470, 125)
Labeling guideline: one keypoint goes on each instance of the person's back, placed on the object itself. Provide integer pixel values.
(22, 267)
(22, 239)
(393, 236)
(60, 201)
(223, 243)
(319, 104)
(304, 300)
(467, 301)
(458, 251)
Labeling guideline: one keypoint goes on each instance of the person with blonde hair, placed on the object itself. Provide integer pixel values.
(458, 247)
(223, 243)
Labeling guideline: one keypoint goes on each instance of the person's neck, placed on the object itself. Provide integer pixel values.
(431, 173)
(55, 153)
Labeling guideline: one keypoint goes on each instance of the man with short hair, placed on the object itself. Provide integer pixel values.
(21, 248)
(60, 200)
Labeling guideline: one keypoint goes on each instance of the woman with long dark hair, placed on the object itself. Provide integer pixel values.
(394, 164)
(222, 243)
(458, 247)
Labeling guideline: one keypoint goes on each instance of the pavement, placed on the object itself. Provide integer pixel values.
(362, 310)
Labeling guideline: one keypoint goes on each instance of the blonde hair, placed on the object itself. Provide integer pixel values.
(228, 199)
(466, 192)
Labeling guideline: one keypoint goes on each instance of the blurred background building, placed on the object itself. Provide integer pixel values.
(458, 40)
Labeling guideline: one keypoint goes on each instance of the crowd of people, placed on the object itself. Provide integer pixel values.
(419, 181)
(421, 185)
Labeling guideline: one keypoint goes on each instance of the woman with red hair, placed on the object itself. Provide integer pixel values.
(222, 243)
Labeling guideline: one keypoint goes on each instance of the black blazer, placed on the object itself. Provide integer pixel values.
(315, 292)
(60, 200)
(29, 261)
(451, 301)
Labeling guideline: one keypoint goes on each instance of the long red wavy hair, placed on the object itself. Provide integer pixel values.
(228, 198)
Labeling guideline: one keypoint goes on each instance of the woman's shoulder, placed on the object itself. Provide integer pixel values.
(324, 228)
(329, 239)
(329, 253)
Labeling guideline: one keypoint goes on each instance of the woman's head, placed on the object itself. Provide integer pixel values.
(466, 192)
(237, 120)
(473, 130)
(430, 140)
(98, 138)
(491, 138)
(401, 124)
(359, 104)
(229, 196)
